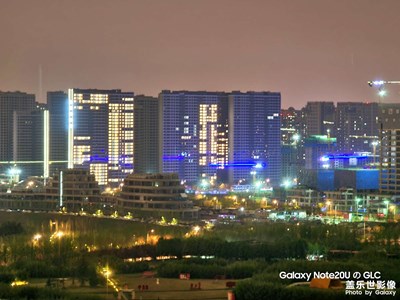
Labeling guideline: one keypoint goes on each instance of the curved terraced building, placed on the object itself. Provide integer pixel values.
(156, 195)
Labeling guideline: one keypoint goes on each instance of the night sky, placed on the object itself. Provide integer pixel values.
(310, 50)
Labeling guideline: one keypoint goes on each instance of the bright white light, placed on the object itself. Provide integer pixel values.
(382, 93)
(14, 171)
(287, 183)
(258, 184)
(296, 137)
(37, 237)
(378, 82)
(324, 158)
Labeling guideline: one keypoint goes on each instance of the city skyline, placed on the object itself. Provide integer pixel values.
(152, 46)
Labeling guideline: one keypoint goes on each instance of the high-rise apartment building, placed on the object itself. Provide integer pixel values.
(12, 105)
(57, 103)
(356, 127)
(220, 136)
(100, 133)
(254, 137)
(319, 118)
(292, 143)
(189, 128)
(146, 145)
(389, 122)
(31, 145)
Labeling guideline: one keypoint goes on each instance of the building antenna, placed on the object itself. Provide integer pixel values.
(40, 95)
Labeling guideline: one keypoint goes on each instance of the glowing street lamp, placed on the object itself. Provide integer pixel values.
(296, 138)
(393, 208)
(374, 144)
(294, 201)
(328, 204)
(107, 273)
(37, 237)
(387, 208)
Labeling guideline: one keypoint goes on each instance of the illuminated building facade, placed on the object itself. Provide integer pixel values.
(316, 149)
(255, 137)
(100, 133)
(221, 137)
(389, 178)
(356, 126)
(191, 127)
(292, 143)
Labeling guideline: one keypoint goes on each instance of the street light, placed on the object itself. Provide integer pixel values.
(294, 201)
(275, 202)
(387, 209)
(107, 273)
(393, 208)
(374, 144)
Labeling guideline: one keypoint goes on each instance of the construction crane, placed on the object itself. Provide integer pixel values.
(380, 84)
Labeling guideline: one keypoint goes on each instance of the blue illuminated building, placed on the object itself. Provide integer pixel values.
(254, 136)
(221, 137)
(192, 125)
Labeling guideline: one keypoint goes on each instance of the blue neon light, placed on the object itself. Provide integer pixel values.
(256, 165)
(172, 157)
(342, 156)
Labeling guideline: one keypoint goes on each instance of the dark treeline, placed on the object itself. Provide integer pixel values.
(295, 248)
(11, 228)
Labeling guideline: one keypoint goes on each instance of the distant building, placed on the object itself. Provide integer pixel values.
(189, 131)
(71, 189)
(389, 119)
(12, 104)
(57, 103)
(74, 189)
(101, 133)
(292, 143)
(356, 126)
(303, 197)
(155, 195)
(319, 118)
(221, 137)
(358, 179)
(254, 136)
(31, 144)
(316, 149)
(147, 137)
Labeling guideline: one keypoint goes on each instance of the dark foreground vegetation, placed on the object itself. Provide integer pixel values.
(253, 254)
